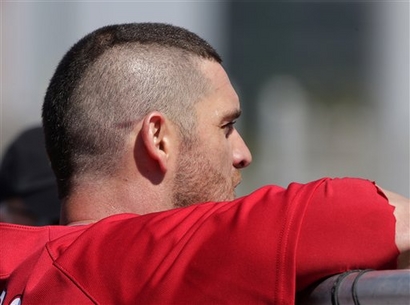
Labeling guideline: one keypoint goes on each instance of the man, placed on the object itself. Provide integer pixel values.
(139, 124)
(28, 190)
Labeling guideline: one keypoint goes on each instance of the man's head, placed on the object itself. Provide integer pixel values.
(114, 79)
(28, 191)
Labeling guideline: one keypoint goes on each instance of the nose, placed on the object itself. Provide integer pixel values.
(242, 157)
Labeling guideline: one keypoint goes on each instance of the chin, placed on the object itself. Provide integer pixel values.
(232, 195)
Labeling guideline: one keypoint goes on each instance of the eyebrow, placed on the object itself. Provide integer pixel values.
(232, 115)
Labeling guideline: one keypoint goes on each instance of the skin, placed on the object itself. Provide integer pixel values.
(402, 215)
(213, 176)
(173, 174)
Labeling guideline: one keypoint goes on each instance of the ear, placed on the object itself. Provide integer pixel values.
(156, 138)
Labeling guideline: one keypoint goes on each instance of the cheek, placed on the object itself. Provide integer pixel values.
(218, 150)
(218, 156)
(225, 156)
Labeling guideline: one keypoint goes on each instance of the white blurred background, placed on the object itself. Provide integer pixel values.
(324, 85)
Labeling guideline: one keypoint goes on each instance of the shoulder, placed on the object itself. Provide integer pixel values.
(19, 242)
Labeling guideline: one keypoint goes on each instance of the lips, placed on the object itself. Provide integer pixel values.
(237, 178)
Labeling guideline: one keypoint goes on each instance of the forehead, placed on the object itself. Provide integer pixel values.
(221, 100)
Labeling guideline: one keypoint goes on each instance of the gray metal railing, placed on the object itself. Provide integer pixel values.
(362, 287)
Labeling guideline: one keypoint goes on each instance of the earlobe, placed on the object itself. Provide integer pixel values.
(155, 138)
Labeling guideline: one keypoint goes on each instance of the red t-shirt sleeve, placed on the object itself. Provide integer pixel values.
(348, 224)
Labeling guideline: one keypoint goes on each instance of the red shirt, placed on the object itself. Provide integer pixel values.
(260, 248)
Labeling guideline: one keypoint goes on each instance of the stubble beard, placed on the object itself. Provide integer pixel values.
(198, 180)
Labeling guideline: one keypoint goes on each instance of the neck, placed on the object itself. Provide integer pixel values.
(92, 201)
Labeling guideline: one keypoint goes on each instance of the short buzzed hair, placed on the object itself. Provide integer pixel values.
(111, 79)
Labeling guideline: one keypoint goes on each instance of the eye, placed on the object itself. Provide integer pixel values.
(229, 127)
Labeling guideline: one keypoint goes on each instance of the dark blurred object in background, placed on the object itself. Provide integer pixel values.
(28, 190)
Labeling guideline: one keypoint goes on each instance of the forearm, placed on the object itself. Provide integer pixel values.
(402, 215)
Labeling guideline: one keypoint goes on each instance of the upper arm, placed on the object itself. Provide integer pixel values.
(402, 215)
(348, 224)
